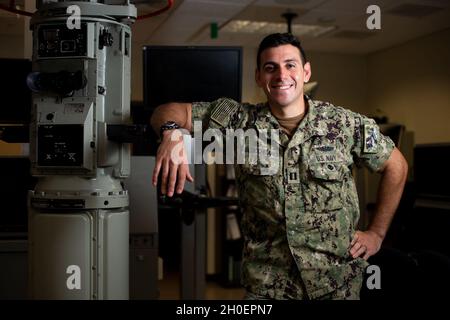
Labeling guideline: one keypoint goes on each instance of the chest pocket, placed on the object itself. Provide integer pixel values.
(323, 190)
(326, 227)
(257, 185)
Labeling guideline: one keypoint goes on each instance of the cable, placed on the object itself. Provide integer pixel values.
(29, 14)
(157, 12)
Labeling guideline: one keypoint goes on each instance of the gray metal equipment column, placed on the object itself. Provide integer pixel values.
(78, 212)
(193, 244)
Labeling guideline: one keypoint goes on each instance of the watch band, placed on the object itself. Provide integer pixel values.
(169, 125)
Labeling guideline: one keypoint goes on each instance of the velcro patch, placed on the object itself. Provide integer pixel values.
(223, 111)
(324, 148)
(371, 138)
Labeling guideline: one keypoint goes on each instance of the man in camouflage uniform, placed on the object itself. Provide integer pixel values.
(299, 219)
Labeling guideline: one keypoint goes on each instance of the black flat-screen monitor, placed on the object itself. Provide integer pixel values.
(431, 170)
(15, 96)
(188, 74)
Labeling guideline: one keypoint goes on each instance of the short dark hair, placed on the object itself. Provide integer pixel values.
(279, 39)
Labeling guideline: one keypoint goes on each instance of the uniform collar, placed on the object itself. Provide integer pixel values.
(313, 120)
(265, 121)
(265, 118)
(312, 125)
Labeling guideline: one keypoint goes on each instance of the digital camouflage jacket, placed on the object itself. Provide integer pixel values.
(300, 205)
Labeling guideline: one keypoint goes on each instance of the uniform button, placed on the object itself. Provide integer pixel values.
(331, 167)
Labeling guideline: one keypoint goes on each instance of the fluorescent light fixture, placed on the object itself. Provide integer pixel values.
(261, 27)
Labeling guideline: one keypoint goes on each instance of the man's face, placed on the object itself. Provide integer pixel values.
(281, 75)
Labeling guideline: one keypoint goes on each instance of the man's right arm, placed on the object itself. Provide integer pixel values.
(173, 172)
(181, 113)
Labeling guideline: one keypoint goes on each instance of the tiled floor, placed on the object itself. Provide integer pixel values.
(169, 289)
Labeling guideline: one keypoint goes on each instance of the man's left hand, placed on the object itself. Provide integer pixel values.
(365, 243)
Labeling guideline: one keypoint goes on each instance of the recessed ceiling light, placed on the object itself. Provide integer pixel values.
(263, 27)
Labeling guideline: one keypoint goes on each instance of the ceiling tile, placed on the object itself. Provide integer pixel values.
(269, 14)
(351, 7)
(293, 4)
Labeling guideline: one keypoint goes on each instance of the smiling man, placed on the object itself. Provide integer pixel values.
(281, 72)
(299, 222)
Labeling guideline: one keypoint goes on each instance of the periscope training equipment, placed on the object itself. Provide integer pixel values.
(80, 134)
(78, 211)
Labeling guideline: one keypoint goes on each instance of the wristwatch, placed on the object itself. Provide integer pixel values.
(169, 125)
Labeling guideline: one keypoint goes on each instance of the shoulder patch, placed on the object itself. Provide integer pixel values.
(371, 137)
(222, 112)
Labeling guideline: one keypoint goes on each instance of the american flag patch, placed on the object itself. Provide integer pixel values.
(222, 112)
